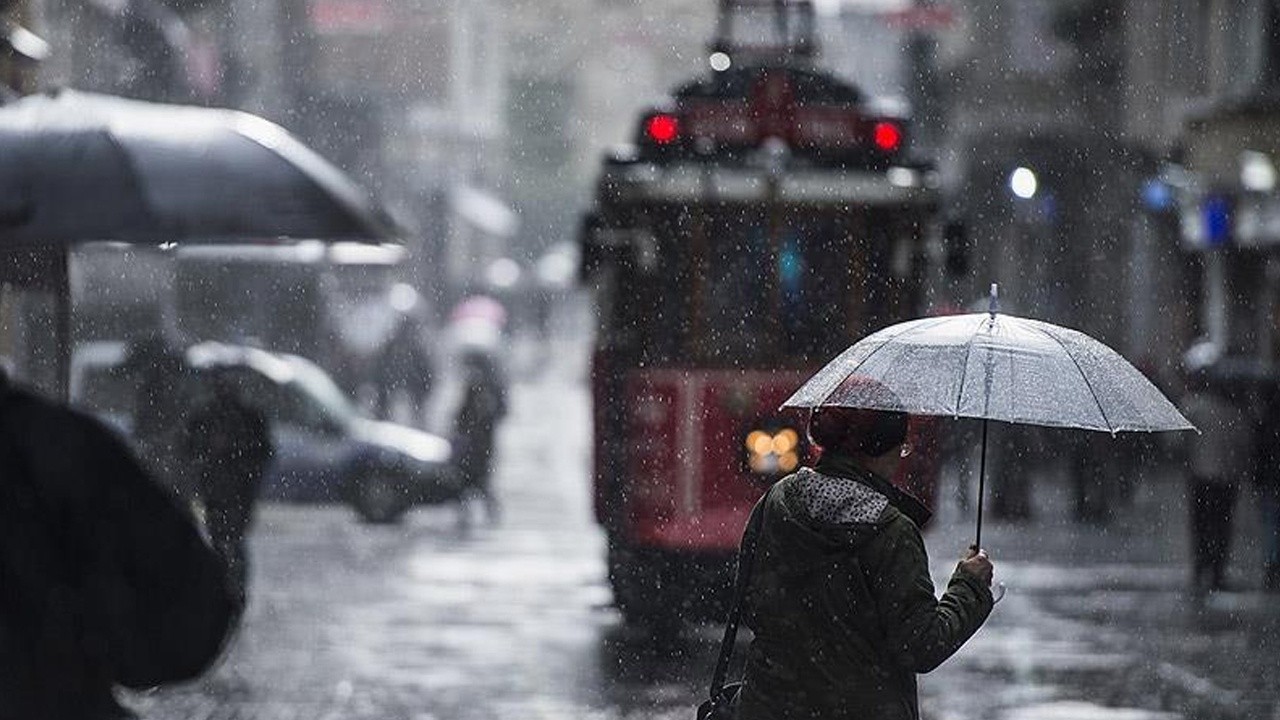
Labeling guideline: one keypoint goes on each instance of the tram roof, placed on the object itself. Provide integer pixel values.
(809, 86)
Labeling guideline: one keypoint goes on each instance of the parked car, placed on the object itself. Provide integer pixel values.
(325, 449)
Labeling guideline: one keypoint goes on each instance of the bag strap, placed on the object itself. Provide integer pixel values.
(742, 578)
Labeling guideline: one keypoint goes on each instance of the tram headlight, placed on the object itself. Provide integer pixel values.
(785, 441)
(772, 451)
(759, 442)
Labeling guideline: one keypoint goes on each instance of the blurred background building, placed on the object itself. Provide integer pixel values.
(1111, 160)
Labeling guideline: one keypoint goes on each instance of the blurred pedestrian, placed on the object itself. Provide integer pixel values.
(104, 580)
(1095, 476)
(159, 373)
(403, 373)
(1221, 458)
(227, 443)
(1266, 484)
(484, 403)
(841, 600)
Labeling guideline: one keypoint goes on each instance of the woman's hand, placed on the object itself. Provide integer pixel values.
(978, 564)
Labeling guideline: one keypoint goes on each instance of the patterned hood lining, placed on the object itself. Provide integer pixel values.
(834, 500)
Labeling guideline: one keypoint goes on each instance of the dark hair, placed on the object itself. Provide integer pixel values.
(855, 430)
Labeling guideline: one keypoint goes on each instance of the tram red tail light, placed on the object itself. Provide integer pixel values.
(662, 128)
(887, 136)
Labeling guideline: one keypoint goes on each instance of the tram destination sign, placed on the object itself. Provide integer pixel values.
(694, 182)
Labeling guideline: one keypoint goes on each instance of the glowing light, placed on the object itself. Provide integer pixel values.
(1023, 183)
(403, 297)
(720, 61)
(1257, 173)
(887, 136)
(770, 452)
(785, 441)
(503, 273)
(760, 442)
(902, 177)
(662, 129)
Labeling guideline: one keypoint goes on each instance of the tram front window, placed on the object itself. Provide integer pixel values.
(773, 291)
(735, 287)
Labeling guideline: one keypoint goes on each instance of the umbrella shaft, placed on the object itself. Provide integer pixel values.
(982, 481)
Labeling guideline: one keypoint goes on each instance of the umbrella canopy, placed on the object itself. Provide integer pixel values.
(995, 367)
(80, 166)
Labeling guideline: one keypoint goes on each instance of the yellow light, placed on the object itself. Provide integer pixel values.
(785, 441)
(760, 442)
(788, 461)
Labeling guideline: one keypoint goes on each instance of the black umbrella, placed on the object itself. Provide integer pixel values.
(81, 166)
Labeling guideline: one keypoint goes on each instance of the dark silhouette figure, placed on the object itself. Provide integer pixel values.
(1221, 458)
(840, 597)
(1095, 476)
(159, 372)
(228, 445)
(104, 580)
(484, 403)
(403, 369)
(1266, 483)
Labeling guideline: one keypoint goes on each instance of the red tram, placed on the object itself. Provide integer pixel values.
(766, 217)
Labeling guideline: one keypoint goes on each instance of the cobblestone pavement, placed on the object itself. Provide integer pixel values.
(424, 620)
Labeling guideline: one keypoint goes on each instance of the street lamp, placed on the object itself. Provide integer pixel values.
(1023, 183)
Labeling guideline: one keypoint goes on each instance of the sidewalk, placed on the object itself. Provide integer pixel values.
(1098, 623)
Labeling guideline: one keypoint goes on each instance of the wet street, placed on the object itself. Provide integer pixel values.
(428, 619)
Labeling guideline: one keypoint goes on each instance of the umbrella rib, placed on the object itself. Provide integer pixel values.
(964, 372)
(1084, 377)
(863, 361)
(135, 177)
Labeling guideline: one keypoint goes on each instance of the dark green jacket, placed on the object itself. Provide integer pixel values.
(841, 602)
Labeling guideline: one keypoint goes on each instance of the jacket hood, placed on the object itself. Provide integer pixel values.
(840, 465)
(832, 507)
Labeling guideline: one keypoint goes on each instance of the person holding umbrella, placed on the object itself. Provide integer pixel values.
(841, 602)
(843, 609)
(226, 444)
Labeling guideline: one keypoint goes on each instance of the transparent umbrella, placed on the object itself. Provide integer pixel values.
(993, 367)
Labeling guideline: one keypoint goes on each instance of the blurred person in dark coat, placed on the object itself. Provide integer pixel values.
(159, 373)
(1221, 458)
(104, 580)
(484, 403)
(841, 600)
(228, 444)
(403, 370)
(1266, 483)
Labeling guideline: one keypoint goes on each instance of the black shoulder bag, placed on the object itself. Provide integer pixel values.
(723, 703)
